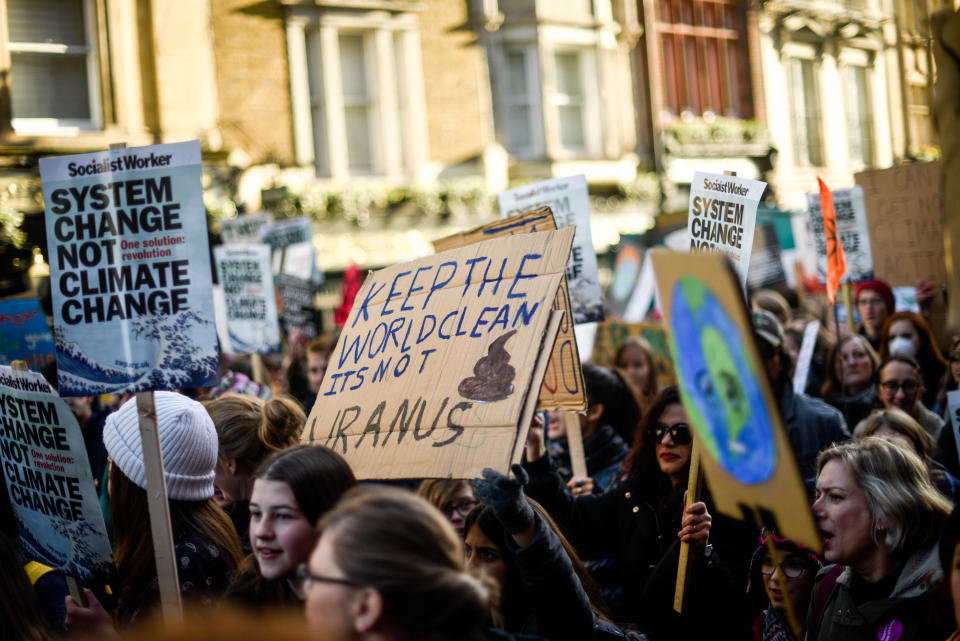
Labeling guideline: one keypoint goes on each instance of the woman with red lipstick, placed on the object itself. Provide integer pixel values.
(292, 489)
(639, 523)
(879, 517)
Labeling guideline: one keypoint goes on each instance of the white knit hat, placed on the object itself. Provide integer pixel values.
(188, 442)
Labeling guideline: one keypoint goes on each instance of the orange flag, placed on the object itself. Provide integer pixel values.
(836, 261)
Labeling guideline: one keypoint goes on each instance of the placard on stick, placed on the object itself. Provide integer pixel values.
(905, 216)
(744, 450)
(562, 387)
(49, 481)
(611, 335)
(434, 374)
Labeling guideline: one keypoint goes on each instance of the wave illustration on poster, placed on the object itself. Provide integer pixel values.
(79, 559)
(179, 362)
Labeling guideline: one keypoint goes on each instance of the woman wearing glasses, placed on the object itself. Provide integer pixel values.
(292, 489)
(641, 520)
(453, 497)
(900, 386)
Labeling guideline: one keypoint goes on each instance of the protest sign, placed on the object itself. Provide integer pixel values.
(49, 480)
(435, 371)
(807, 346)
(243, 229)
(569, 201)
(611, 335)
(284, 233)
(626, 270)
(243, 272)
(953, 409)
(24, 333)
(851, 215)
(905, 217)
(723, 215)
(644, 293)
(766, 261)
(129, 260)
(562, 386)
(744, 450)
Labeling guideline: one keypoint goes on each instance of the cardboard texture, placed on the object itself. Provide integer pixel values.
(905, 216)
(562, 387)
(744, 450)
(612, 334)
(434, 374)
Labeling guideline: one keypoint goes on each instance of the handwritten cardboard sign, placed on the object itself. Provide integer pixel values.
(744, 449)
(612, 334)
(851, 213)
(130, 270)
(49, 481)
(562, 387)
(723, 217)
(905, 216)
(569, 200)
(24, 333)
(435, 368)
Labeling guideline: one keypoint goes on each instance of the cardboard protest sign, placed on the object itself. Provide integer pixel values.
(49, 480)
(745, 452)
(562, 386)
(851, 215)
(611, 335)
(243, 229)
(435, 371)
(569, 201)
(243, 272)
(24, 333)
(723, 216)
(906, 224)
(129, 260)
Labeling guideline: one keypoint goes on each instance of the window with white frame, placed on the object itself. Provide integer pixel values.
(519, 100)
(53, 74)
(805, 112)
(859, 122)
(570, 99)
(362, 107)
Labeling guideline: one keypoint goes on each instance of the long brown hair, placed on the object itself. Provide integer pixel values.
(249, 429)
(133, 542)
(832, 382)
(928, 351)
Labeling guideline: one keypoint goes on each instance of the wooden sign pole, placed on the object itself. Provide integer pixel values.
(578, 460)
(848, 302)
(256, 366)
(161, 528)
(684, 566)
(76, 590)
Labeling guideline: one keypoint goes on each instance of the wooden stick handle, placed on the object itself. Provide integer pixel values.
(578, 459)
(684, 567)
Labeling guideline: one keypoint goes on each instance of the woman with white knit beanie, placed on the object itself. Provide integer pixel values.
(206, 545)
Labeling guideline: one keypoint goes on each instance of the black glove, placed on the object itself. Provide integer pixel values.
(506, 497)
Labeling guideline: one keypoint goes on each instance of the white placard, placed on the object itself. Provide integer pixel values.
(851, 228)
(250, 306)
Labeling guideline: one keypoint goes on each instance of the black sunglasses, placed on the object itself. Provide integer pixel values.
(679, 433)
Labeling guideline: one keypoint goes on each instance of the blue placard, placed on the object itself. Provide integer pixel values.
(24, 333)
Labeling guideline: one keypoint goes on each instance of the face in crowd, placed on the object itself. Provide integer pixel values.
(316, 369)
(799, 572)
(903, 339)
(674, 442)
(483, 557)
(636, 365)
(281, 536)
(872, 309)
(458, 507)
(853, 366)
(843, 517)
(899, 386)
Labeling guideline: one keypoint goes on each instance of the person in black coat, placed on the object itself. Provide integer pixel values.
(640, 522)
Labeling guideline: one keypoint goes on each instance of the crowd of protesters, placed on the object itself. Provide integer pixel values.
(271, 535)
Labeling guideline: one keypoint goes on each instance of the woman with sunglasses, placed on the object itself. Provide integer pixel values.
(639, 523)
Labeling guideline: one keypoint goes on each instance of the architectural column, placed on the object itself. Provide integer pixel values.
(335, 124)
(413, 113)
(300, 90)
(834, 135)
(388, 153)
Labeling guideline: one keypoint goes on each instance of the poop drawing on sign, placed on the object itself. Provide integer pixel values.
(493, 374)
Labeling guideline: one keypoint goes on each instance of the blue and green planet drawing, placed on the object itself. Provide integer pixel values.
(720, 384)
